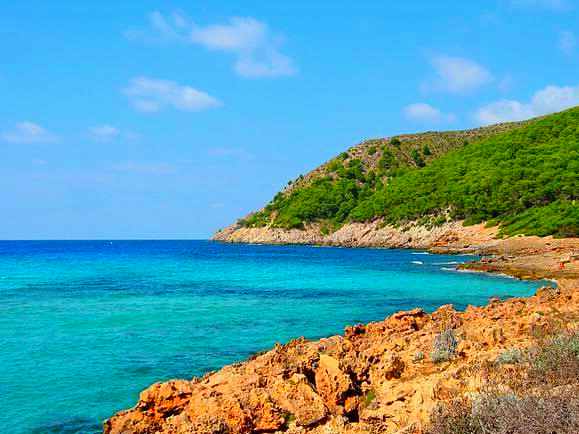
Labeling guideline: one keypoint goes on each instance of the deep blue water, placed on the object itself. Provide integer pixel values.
(86, 325)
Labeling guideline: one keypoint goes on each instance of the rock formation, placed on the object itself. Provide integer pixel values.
(383, 377)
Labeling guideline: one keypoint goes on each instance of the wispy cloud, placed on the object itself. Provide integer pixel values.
(547, 100)
(457, 75)
(28, 132)
(152, 95)
(426, 113)
(104, 132)
(108, 133)
(567, 42)
(255, 48)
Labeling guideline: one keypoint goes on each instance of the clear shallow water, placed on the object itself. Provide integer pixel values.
(86, 325)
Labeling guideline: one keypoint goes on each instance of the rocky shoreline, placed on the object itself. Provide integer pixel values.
(521, 256)
(452, 235)
(382, 377)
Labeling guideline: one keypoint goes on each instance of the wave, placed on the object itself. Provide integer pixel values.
(420, 253)
(462, 270)
(447, 263)
(418, 262)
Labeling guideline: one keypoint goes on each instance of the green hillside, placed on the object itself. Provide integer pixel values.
(523, 176)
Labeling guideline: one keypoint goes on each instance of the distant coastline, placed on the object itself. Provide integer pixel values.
(527, 257)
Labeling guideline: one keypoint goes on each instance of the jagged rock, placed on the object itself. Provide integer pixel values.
(332, 384)
(365, 382)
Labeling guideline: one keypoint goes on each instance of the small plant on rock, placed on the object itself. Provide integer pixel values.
(369, 397)
(288, 419)
(510, 357)
(444, 346)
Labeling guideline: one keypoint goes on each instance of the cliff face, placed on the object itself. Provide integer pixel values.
(377, 378)
(452, 235)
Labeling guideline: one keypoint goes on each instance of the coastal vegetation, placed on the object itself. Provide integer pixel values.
(523, 177)
(536, 393)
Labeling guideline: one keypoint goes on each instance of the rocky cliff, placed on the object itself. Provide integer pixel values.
(384, 377)
(453, 235)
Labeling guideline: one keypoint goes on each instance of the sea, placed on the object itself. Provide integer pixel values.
(86, 325)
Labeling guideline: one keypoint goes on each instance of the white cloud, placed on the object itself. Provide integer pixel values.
(426, 113)
(457, 75)
(104, 132)
(567, 42)
(152, 95)
(251, 42)
(28, 132)
(256, 49)
(548, 100)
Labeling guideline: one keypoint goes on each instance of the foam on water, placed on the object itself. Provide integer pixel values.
(85, 326)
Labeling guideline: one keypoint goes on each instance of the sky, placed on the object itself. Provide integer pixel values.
(171, 119)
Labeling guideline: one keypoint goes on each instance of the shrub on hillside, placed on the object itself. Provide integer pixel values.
(556, 360)
(542, 397)
(418, 160)
(497, 413)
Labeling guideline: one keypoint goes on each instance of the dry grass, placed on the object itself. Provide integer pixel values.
(533, 393)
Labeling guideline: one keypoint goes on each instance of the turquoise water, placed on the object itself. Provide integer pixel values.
(86, 325)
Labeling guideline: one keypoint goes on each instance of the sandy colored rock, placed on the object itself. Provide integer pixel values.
(368, 381)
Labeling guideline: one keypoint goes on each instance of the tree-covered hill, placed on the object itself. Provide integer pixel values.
(523, 176)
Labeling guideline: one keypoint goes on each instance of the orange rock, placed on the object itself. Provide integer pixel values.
(370, 380)
(331, 383)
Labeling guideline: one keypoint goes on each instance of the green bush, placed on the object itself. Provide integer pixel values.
(395, 142)
(417, 158)
(388, 160)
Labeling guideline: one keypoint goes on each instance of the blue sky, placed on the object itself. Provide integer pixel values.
(171, 119)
